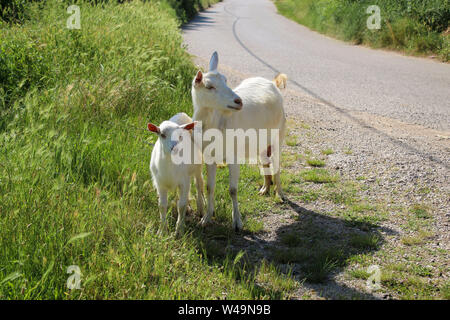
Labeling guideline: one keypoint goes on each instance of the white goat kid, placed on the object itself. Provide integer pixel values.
(256, 103)
(167, 175)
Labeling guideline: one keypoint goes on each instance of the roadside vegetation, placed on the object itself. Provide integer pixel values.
(75, 186)
(418, 27)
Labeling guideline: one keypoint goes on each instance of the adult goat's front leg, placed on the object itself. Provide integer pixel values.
(210, 187)
(200, 193)
(234, 180)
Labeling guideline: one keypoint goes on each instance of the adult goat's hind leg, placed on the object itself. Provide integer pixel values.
(234, 180)
(264, 159)
(210, 187)
(265, 189)
(276, 168)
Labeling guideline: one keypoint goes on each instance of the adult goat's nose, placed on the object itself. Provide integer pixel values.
(238, 101)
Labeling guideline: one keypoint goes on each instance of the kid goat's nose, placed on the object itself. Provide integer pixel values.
(238, 101)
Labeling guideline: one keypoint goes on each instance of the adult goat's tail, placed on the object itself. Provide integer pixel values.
(280, 80)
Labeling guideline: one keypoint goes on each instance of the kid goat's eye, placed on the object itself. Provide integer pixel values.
(210, 87)
(163, 135)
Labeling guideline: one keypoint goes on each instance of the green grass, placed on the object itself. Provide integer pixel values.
(327, 152)
(348, 151)
(407, 286)
(359, 274)
(419, 238)
(345, 193)
(415, 27)
(407, 281)
(315, 162)
(291, 140)
(319, 270)
(74, 161)
(445, 290)
(318, 176)
(363, 214)
(254, 225)
(291, 239)
(421, 211)
(365, 241)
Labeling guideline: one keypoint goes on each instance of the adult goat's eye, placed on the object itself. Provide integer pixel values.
(210, 87)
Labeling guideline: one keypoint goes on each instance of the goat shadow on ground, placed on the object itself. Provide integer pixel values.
(313, 249)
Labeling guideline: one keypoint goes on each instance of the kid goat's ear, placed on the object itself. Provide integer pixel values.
(189, 126)
(198, 77)
(151, 127)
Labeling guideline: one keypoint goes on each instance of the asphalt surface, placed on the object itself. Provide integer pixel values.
(252, 38)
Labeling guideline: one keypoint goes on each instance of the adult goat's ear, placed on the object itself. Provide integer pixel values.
(151, 127)
(198, 77)
(214, 62)
(189, 126)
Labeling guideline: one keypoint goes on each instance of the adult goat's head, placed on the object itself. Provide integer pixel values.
(210, 90)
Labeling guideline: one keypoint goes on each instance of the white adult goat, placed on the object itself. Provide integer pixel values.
(168, 175)
(256, 103)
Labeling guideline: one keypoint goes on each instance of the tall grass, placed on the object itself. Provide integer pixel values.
(413, 26)
(73, 158)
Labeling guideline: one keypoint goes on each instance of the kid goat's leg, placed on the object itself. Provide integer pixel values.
(234, 179)
(200, 194)
(182, 205)
(162, 195)
(210, 186)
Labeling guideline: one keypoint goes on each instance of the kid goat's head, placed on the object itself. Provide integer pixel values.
(171, 134)
(210, 90)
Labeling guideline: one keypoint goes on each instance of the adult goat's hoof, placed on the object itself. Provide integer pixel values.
(237, 226)
(264, 191)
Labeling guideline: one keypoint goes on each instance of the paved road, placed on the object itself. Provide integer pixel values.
(251, 37)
